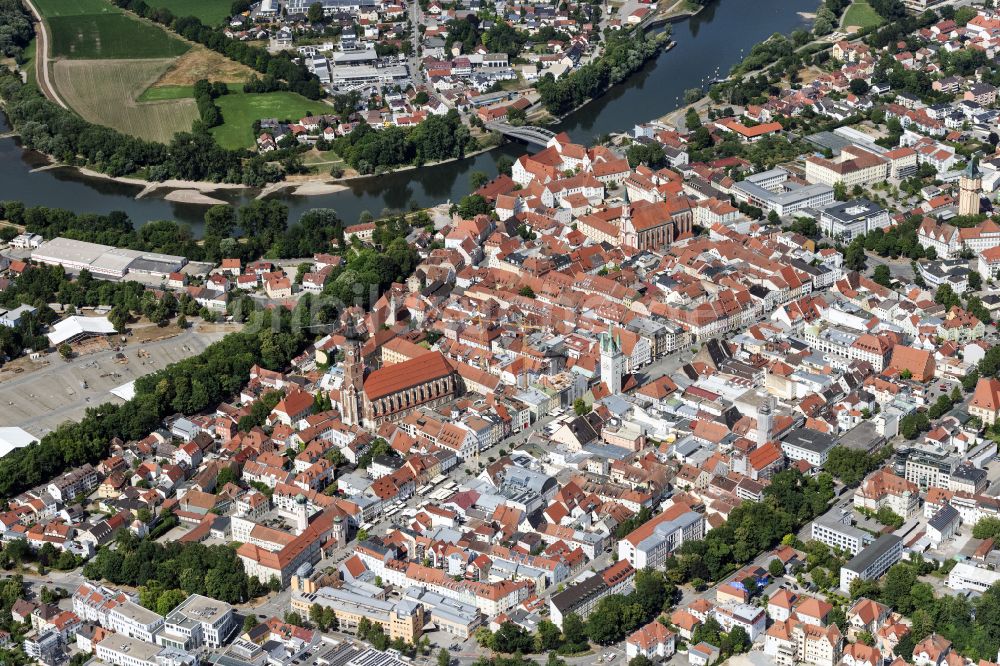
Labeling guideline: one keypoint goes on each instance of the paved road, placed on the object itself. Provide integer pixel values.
(42, 58)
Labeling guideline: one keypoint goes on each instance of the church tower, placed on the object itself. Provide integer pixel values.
(353, 386)
(969, 187)
(612, 361)
(627, 235)
(301, 513)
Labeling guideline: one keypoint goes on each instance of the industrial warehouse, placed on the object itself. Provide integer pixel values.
(105, 261)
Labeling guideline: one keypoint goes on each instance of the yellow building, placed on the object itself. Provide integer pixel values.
(399, 619)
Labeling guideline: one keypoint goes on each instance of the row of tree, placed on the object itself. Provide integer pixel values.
(204, 97)
(437, 138)
(624, 53)
(260, 228)
(15, 29)
(169, 572)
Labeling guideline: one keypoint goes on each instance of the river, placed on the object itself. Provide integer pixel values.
(707, 45)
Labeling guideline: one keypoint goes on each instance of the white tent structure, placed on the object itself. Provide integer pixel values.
(76, 328)
(14, 438)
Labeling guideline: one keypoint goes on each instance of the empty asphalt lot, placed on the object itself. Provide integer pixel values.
(39, 400)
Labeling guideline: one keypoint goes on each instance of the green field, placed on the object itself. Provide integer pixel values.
(239, 111)
(90, 36)
(862, 15)
(210, 12)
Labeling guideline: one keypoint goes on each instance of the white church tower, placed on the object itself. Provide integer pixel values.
(612, 361)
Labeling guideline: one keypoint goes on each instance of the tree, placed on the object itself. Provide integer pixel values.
(527, 292)
(65, 350)
(574, 634)
(859, 86)
(947, 297)
(220, 220)
(249, 622)
(549, 636)
(505, 164)
(640, 660)
(182, 322)
(776, 568)
(510, 638)
(691, 119)
(975, 281)
(839, 191)
(444, 658)
(169, 600)
(315, 14)
(477, 179)
(580, 407)
(986, 528)
(882, 275)
(854, 257)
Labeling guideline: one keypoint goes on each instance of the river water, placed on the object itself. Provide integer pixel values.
(707, 46)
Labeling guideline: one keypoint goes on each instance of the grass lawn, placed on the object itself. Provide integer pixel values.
(159, 93)
(239, 111)
(111, 35)
(862, 15)
(210, 12)
(29, 63)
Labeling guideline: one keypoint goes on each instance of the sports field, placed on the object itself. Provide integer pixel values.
(210, 12)
(239, 111)
(106, 92)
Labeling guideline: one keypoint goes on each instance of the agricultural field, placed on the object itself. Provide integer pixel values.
(209, 12)
(114, 36)
(239, 111)
(88, 29)
(861, 14)
(107, 91)
(53, 8)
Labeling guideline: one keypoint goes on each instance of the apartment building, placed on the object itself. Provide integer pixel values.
(351, 603)
(649, 545)
(582, 597)
(121, 650)
(132, 620)
(873, 561)
(196, 622)
(854, 166)
(653, 641)
(838, 534)
(753, 619)
(846, 221)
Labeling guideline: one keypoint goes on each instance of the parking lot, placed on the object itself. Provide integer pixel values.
(51, 390)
